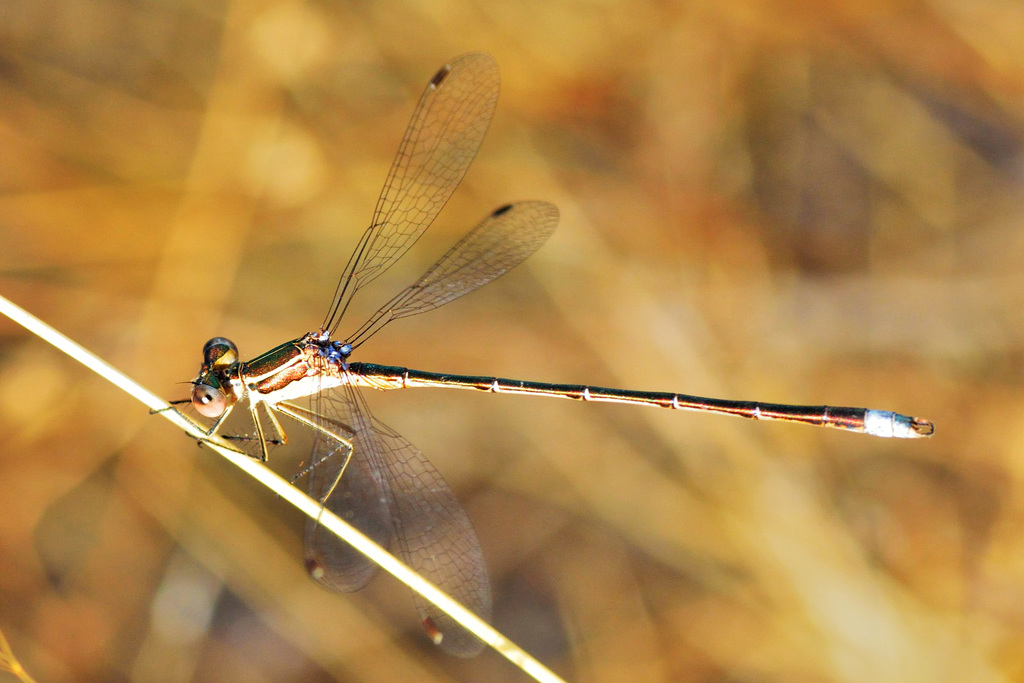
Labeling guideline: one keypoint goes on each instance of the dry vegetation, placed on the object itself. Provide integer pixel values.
(794, 202)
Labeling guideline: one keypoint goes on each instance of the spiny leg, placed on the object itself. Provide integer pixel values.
(343, 434)
(211, 432)
(260, 435)
(254, 412)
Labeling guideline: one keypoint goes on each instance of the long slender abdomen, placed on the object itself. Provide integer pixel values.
(868, 421)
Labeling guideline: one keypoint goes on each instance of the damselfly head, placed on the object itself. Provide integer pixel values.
(219, 352)
(209, 401)
(212, 391)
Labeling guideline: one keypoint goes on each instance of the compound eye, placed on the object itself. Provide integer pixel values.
(208, 401)
(220, 352)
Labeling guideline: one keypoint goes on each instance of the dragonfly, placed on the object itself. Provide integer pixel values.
(361, 469)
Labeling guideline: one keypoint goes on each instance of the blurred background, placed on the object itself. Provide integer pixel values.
(784, 201)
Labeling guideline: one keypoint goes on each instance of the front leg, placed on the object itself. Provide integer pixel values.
(264, 456)
(260, 434)
(210, 433)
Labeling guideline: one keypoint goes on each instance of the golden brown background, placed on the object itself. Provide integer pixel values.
(813, 202)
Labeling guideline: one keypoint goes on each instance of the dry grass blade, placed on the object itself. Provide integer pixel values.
(8, 662)
(283, 489)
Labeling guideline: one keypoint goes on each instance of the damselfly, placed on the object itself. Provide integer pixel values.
(361, 469)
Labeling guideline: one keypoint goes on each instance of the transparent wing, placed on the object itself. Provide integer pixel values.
(348, 483)
(500, 242)
(443, 136)
(430, 530)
